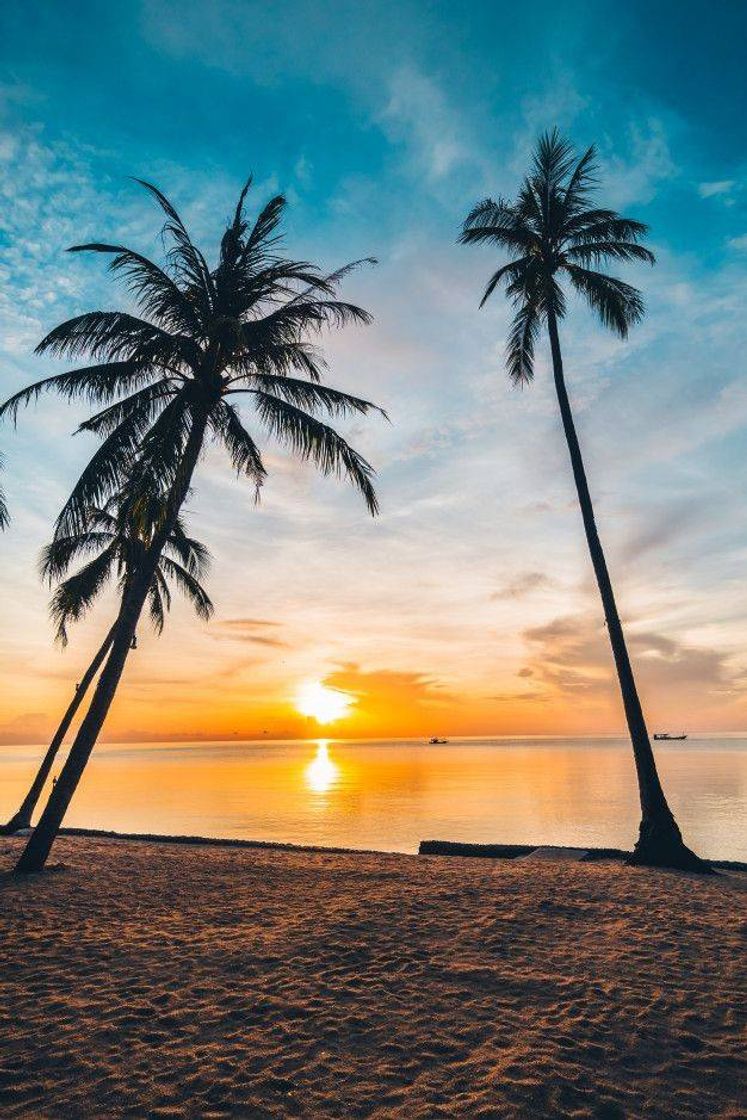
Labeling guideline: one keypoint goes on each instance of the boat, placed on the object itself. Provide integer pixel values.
(664, 736)
(435, 741)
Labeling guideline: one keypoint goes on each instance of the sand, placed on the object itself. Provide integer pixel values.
(153, 980)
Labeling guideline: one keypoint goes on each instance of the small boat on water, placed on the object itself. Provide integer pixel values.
(436, 741)
(664, 736)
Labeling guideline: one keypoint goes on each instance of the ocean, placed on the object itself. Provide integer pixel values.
(389, 795)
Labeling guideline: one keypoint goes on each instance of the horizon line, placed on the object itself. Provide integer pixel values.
(329, 738)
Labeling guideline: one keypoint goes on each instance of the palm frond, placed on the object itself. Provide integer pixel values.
(161, 449)
(263, 236)
(554, 158)
(156, 293)
(59, 554)
(280, 358)
(618, 305)
(514, 271)
(191, 553)
(76, 594)
(311, 439)
(303, 313)
(92, 383)
(582, 182)
(4, 514)
(106, 472)
(112, 335)
(596, 252)
(497, 223)
(146, 403)
(157, 607)
(189, 586)
(331, 282)
(244, 453)
(187, 260)
(311, 396)
(603, 225)
(521, 342)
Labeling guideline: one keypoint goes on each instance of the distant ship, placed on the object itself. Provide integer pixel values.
(664, 735)
(435, 740)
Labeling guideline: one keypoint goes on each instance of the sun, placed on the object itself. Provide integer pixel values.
(323, 704)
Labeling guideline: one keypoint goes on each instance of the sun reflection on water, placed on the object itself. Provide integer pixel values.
(321, 773)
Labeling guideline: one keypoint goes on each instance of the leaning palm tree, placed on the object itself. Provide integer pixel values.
(555, 233)
(113, 547)
(170, 377)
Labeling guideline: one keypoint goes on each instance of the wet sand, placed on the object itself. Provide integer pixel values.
(156, 980)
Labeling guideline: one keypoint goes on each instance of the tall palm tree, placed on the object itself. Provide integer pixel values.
(205, 339)
(555, 233)
(113, 547)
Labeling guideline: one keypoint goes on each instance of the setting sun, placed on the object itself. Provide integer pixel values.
(323, 704)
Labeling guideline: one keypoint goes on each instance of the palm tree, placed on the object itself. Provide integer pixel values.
(555, 233)
(205, 338)
(116, 547)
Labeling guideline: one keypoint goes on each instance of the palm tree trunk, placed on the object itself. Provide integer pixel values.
(35, 854)
(22, 819)
(659, 842)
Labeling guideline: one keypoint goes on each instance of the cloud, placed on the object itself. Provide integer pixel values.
(571, 656)
(660, 527)
(559, 105)
(247, 630)
(418, 114)
(739, 243)
(28, 727)
(638, 177)
(721, 187)
(382, 691)
(532, 696)
(524, 584)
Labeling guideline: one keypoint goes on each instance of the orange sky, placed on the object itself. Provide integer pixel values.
(240, 678)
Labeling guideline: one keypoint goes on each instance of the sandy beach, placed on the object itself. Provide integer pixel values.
(156, 980)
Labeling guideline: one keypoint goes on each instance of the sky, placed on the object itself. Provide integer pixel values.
(468, 606)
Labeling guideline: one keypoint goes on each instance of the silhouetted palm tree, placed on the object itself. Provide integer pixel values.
(206, 337)
(115, 547)
(556, 233)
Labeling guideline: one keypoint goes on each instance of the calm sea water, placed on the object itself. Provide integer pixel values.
(390, 795)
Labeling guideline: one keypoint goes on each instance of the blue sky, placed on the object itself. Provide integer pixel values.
(383, 123)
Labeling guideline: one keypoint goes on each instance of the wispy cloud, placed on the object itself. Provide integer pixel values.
(636, 177)
(524, 584)
(418, 115)
(719, 188)
(253, 630)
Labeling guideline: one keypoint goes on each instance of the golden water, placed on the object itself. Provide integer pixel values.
(390, 795)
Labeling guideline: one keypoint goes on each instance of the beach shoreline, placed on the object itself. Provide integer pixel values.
(170, 979)
(440, 848)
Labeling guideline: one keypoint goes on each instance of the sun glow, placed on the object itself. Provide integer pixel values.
(323, 704)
